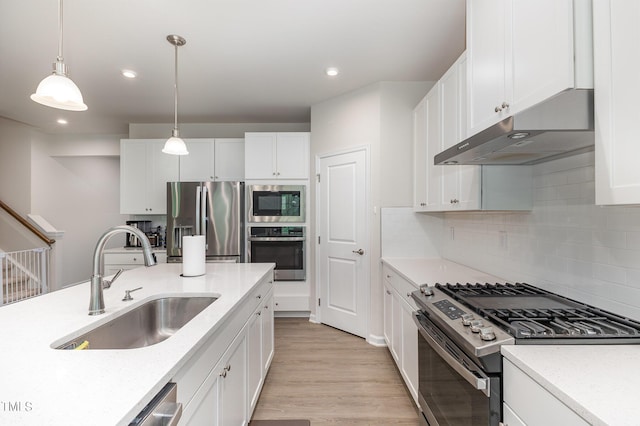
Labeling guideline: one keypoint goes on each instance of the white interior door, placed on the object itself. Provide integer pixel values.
(344, 243)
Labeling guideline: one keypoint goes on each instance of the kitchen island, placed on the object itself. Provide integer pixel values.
(44, 385)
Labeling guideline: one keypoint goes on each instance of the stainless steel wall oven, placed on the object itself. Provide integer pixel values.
(283, 245)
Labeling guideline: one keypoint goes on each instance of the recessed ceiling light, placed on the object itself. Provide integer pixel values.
(129, 74)
(332, 72)
(62, 121)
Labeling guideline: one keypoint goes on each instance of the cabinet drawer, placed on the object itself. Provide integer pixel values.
(525, 396)
(400, 285)
(133, 258)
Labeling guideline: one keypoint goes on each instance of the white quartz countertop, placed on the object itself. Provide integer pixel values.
(46, 386)
(598, 382)
(431, 271)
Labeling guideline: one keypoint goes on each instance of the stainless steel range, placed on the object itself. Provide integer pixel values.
(461, 329)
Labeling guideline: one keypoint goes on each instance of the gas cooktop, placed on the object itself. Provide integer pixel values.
(528, 312)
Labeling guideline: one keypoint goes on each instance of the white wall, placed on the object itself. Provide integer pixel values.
(15, 165)
(567, 244)
(355, 119)
(78, 194)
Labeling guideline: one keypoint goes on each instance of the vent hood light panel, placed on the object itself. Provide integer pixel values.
(559, 127)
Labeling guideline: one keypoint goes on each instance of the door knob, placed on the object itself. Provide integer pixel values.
(359, 251)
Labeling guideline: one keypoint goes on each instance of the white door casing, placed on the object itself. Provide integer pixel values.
(344, 259)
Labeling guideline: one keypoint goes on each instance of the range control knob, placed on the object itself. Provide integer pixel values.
(486, 333)
(426, 290)
(476, 325)
(466, 319)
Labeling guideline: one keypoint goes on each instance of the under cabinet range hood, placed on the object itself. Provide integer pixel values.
(558, 127)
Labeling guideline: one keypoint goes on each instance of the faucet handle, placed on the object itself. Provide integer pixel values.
(127, 294)
(107, 283)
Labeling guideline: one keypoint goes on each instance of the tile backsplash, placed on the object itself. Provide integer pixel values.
(566, 244)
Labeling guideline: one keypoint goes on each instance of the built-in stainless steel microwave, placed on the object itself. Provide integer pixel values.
(276, 203)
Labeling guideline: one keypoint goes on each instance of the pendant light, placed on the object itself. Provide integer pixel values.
(175, 145)
(58, 90)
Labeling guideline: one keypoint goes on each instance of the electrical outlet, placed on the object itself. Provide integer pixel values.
(502, 238)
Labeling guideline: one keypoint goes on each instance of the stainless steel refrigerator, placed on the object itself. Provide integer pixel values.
(213, 209)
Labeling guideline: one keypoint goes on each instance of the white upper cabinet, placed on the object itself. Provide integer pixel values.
(460, 184)
(522, 52)
(438, 125)
(426, 144)
(617, 89)
(144, 173)
(277, 155)
(213, 160)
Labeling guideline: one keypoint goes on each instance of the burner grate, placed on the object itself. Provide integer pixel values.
(528, 312)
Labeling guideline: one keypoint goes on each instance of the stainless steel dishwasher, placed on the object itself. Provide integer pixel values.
(163, 410)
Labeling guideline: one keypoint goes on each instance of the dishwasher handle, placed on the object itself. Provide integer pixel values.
(163, 410)
(167, 414)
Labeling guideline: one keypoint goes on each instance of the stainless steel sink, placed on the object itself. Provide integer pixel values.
(146, 325)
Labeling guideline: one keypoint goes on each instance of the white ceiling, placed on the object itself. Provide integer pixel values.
(244, 61)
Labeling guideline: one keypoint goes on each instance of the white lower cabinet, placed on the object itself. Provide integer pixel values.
(400, 332)
(524, 397)
(260, 347)
(221, 383)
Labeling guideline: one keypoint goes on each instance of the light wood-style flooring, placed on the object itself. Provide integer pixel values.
(332, 378)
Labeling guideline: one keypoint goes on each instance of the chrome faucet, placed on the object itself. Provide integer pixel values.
(96, 303)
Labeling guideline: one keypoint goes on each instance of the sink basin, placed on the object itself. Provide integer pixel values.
(146, 325)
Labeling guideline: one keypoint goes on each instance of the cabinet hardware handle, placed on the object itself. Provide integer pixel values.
(229, 367)
(505, 105)
(259, 296)
(258, 313)
(274, 173)
(388, 292)
(223, 373)
(408, 294)
(266, 307)
(498, 109)
(388, 276)
(359, 251)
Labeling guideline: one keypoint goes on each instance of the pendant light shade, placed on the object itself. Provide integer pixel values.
(58, 90)
(175, 145)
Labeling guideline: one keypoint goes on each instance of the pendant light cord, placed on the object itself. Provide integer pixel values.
(60, 34)
(175, 117)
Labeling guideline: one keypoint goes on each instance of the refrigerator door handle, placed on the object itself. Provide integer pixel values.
(203, 212)
(198, 207)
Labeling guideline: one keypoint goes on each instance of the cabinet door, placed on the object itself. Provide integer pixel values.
(388, 315)
(229, 159)
(204, 408)
(420, 156)
(161, 168)
(233, 386)
(198, 165)
(409, 351)
(617, 89)
(434, 138)
(488, 67)
(133, 176)
(450, 119)
(292, 156)
(260, 155)
(542, 50)
(267, 334)
(396, 327)
(254, 354)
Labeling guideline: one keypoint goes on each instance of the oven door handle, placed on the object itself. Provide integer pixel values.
(480, 383)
